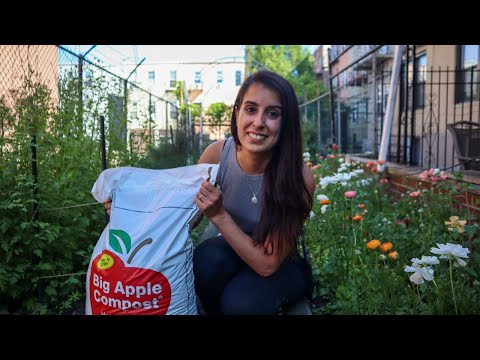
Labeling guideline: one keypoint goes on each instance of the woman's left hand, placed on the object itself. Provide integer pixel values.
(209, 199)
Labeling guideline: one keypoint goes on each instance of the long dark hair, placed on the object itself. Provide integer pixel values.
(286, 200)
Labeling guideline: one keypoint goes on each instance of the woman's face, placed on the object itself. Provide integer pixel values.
(259, 119)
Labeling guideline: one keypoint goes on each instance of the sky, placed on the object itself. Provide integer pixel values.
(117, 54)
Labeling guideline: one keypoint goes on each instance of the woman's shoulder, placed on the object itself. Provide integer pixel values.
(213, 153)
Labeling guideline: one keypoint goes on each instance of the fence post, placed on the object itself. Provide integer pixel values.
(166, 123)
(200, 141)
(36, 230)
(80, 95)
(104, 153)
(318, 124)
(330, 88)
(150, 119)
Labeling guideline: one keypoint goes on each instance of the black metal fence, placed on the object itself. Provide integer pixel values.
(428, 100)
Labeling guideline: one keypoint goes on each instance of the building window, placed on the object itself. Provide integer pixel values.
(467, 78)
(343, 79)
(320, 64)
(151, 77)
(354, 112)
(173, 78)
(153, 109)
(415, 75)
(88, 77)
(420, 81)
(173, 112)
(238, 78)
(335, 81)
(134, 111)
(219, 76)
(198, 77)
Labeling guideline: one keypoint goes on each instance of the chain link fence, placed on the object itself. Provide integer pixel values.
(52, 103)
(135, 116)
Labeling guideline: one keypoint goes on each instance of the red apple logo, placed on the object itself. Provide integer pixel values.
(116, 289)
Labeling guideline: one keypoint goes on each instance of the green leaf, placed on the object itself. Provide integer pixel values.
(4, 226)
(119, 235)
(470, 271)
(470, 229)
(24, 225)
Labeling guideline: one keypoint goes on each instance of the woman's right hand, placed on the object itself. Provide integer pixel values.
(108, 205)
(209, 200)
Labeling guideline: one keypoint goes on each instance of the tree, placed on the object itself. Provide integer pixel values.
(218, 115)
(293, 62)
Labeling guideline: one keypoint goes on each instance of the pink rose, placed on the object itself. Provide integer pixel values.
(350, 194)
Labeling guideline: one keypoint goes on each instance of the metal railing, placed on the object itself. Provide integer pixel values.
(428, 100)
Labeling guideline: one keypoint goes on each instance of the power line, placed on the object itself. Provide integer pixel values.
(124, 57)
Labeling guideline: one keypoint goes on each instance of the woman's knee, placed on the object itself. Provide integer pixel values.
(248, 303)
(212, 256)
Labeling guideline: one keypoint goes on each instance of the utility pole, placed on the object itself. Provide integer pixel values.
(392, 95)
(200, 142)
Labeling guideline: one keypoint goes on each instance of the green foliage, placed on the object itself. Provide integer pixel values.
(309, 136)
(46, 239)
(293, 62)
(218, 117)
(352, 279)
(166, 156)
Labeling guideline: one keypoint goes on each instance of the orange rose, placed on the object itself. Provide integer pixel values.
(393, 255)
(386, 247)
(373, 244)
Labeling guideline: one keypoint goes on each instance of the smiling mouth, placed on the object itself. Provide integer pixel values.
(257, 136)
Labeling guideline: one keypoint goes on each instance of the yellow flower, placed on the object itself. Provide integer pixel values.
(373, 244)
(456, 224)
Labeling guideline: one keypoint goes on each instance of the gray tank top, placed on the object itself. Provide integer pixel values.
(238, 188)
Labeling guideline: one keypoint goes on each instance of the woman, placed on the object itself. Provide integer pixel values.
(264, 196)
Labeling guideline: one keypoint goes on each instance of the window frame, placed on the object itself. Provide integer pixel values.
(461, 81)
(173, 79)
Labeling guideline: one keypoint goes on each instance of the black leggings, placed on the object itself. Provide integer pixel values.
(226, 285)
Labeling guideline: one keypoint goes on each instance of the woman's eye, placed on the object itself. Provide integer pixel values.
(250, 109)
(273, 115)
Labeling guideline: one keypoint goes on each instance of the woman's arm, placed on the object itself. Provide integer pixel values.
(259, 257)
(211, 206)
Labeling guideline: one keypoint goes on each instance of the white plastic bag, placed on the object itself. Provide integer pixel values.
(142, 263)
